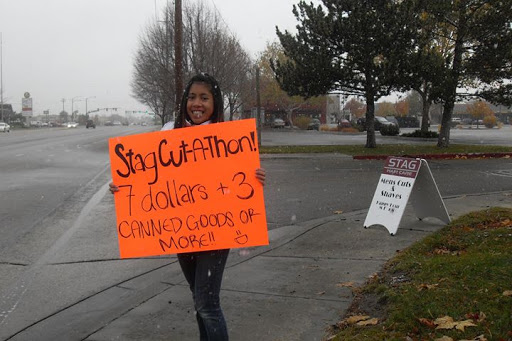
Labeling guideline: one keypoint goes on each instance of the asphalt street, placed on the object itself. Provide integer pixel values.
(60, 272)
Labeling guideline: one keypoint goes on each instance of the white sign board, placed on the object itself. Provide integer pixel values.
(26, 106)
(401, 179)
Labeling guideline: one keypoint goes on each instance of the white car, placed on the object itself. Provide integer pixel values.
(72, 125)
(5, 127)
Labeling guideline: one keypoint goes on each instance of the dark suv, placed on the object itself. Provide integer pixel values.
(90, 124)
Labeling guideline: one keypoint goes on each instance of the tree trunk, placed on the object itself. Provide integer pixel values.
(451, 88)
(425, 119)
(370, 120)
(444, 135)
(425, 110)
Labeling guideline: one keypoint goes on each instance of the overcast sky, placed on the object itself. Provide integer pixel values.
(65, 49)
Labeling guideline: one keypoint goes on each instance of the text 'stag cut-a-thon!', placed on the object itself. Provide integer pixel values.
(186, 190)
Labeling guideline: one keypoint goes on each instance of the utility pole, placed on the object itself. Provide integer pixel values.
(178, 53)
(258, 104)
(1, 80)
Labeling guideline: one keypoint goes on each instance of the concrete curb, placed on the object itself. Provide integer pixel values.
(448, 156)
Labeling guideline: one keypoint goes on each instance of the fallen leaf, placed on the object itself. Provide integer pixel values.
(478, 338)
(356, 318)
(507, 293)
(345, 285)
(426, 322)
(338, 212)
(444, 338)
(427, 286)
(463, 324)
(445, 322)
(370, 322)
(320, 293)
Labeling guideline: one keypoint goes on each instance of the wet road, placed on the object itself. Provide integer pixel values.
(57, 248)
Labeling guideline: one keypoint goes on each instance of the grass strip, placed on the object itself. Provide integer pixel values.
(386, 149)
(463, 272)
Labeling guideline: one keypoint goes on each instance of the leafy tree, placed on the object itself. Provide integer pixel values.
(479, 52)
(479, 110)
(414, 102)
(402, 107)
(386, 109)
(63, 116)
(351, 46)
(356, 108)
(271, 92)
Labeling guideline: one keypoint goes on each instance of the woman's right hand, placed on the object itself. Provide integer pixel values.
(112, 188)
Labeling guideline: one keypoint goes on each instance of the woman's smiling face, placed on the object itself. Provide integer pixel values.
(200, 103)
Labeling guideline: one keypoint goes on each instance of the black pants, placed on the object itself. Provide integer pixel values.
(203, 271)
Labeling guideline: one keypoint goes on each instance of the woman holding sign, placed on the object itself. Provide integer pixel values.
(202, 103)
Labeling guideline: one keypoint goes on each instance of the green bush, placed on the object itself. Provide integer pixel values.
(389, 130)
(418, 133)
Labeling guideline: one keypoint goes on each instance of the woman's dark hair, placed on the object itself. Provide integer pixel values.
(218, 102)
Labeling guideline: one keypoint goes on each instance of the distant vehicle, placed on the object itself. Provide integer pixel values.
(314, 124)
(278, 123)
(117, 123)
(143, 124)
(4, 127)
(90, 124)
(72, 125)
(393, 120)
(343, 123)
(407, 121)
(379, 122)
(109, 123)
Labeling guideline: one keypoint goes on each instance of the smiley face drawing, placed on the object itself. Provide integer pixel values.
(241, 238)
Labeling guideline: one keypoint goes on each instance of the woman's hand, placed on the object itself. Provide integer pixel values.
(112, 188)
(260, 175)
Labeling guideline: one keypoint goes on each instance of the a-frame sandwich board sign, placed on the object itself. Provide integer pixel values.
(403, 179)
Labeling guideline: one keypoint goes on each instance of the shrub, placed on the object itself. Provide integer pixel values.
(489, 121)
(418, 133)
(302, 122)
(389, 130)
(349, 130)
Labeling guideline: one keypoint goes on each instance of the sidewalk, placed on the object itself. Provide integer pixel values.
(288, 290)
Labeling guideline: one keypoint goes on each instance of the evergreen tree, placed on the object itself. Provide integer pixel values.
(356, 47)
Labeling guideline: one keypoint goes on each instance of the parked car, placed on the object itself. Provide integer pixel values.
(4, 127)
(407, 121)
(90, 124)
(314, 124)
(378, 123)
(278, 123)
(343, 123)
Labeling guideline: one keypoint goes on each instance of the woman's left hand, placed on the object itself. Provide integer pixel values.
(260, 175)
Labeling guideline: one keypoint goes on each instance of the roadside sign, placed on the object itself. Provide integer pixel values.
(403, 179)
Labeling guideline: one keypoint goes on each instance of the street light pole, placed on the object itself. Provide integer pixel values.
(178, 54)
(72, 112)
(86, 112)
(1, 80)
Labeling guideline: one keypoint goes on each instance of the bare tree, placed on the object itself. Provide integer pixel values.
(153, 76)
(213, 49)
(208, 47)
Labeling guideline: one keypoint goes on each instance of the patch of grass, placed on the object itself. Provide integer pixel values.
(462, 271)
(386, 149)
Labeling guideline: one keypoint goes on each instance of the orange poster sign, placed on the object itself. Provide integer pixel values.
(191, 189)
